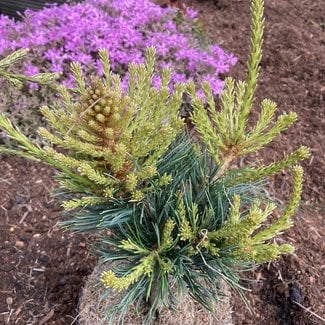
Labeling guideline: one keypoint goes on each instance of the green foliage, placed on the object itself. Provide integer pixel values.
(190, 234)
(238, 230)
(168, 209)
(212, 229)
(155, 260)
(17, 79)
(225, 132)
(113, 140)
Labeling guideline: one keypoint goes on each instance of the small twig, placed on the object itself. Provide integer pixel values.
(5, 181)
(10, 313)
(74, 320)
(37, 269)
(309, 311)
(47, 317)
(23, 217)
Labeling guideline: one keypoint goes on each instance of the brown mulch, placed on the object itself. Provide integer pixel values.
(43, 268)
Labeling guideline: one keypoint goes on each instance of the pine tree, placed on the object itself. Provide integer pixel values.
(169, 210)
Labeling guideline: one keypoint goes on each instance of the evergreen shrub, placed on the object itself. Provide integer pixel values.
(172, 213)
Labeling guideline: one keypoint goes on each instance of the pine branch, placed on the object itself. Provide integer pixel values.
(225, 132)
(253, 175)
(17, 79)
(109, 137)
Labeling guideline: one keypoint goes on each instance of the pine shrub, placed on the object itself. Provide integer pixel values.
(171, 212)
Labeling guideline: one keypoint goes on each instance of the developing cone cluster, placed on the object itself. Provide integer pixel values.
(100, 106)
(104, 112)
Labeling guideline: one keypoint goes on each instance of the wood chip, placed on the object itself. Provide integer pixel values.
(19, 244)
(47, 317)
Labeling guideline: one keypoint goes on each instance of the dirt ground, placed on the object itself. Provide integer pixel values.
(43, 268)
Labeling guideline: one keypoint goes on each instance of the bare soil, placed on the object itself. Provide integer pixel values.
(43, 268)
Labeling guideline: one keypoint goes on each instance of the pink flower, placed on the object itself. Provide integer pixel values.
(31, 70)
(58, 35)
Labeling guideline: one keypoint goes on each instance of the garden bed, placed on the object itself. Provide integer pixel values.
(43, 268)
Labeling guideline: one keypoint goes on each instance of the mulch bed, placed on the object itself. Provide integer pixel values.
(43, 268)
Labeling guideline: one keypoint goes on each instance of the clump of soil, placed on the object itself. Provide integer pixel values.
(94, 309)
